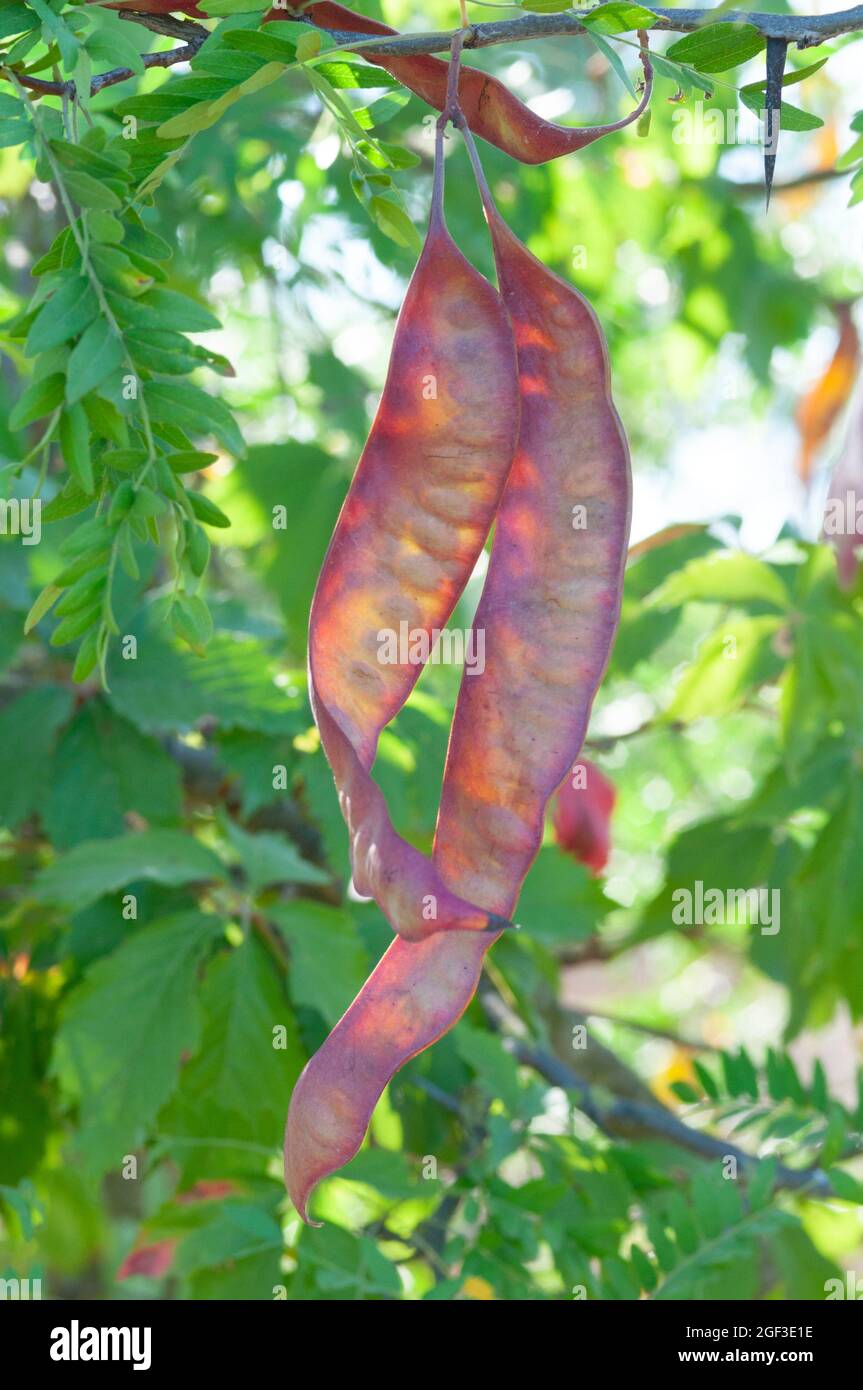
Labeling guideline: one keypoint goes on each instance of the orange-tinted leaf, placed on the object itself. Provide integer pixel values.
(823, 403)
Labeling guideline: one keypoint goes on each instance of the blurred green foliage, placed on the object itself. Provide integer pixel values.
(178, 932)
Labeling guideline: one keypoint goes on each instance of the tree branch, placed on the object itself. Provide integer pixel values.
(630, 1116)
(109, 79)
(802, 30)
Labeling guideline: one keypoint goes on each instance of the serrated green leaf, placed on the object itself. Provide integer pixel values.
(325, 982)
(268, 859)
(124, 1031)
(91, 870)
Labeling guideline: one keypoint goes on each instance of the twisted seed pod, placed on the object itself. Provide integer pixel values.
(412, 527)
(489, 108)
(549, 608)
(551, 601)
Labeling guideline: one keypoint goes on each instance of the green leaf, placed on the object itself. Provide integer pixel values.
(124, 1031)
(196, 412)
(262, 44)
(188, 122)
(790, 117)
(730, 662)
(726, 576)
(546, 6)
(191, 620)
(717, 47)
(203, 116)
(684, 77)
(14, 132)
(393, 221)
(269, 859)
(387, 156)
(17, 19)
(90, 192)
(239, 1083)
(760, 1187)
(342, 75)
(75, 445)
(168, 689)
(612, 57)
(207, 511)
(706, 1079)
(685, 1092)
(560, 903)
(38, 400)
(112, 45)
(618, 17)
(161, 308)
(104, 768)
(381, 110)
(496, 1069)
(228, 7)
(93, 359)
(42, 605)
(328, 979)
(237, 1232)
(56, 30)
(791, 77)
(851, 155)
(32, 722)
(69, 502)
(846, 1186)
(95, 868)
(71, 308)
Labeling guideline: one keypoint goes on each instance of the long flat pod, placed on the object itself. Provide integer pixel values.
(551, 601)
(417, 515)
(415, 994)
(550, 607)
(414, 522)
(490, 108)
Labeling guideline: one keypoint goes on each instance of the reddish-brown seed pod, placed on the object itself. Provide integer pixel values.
(551, 600)
(412, 527)
(582, 815)
(549, 610)
(415, 994)
(489, 108)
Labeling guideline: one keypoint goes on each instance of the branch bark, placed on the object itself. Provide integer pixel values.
(632, 1112)
(633, 1118)
(803, 30)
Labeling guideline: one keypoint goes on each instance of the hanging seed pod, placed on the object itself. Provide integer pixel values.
(549, 610)
(490, 109)
(412, 527)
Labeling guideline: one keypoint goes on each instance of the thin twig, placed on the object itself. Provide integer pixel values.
(110, 79)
